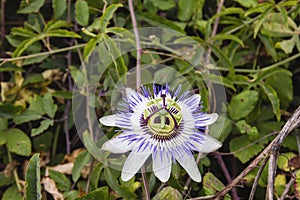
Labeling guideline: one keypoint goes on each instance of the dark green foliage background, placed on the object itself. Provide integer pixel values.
(256, 47)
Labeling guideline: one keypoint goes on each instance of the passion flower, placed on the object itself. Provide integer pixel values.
(164, 124)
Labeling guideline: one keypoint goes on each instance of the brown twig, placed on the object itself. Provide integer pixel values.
(263, 164)
(287, 128)
(138, 45)
(203, 198)
(209, 84)
(272, 173)
(215, 28)
(66, 127)
(287, 188)
(138, 78)
(68, 104)
(2, 26)
(226, 174)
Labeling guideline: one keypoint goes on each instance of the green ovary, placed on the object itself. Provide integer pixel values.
(162, 123)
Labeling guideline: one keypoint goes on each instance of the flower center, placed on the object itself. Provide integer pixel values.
(162, 117)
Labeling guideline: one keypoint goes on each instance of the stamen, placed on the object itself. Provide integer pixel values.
(163, 96)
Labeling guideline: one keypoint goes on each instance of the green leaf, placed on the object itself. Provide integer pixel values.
(6, 180)
(3, 123)
(262, 75)
(223, 58)
(2, 137)
(244, 127)
(62, 182)
(24, 45)
(18, 142)
(288, 45)
(269, 46)
(80, 161)
(220, 80)
(33, 78)
(82, 12)
(7, 67)
(34, 26)
(279, 18)
(56, 24)
(116, 55)
(8, 111)
(297, 184)
(280, 183)
(221, 128)
(32, 178)
(43, 127)
(49, 106)
(272, 95)
(228, 37)
(213, 185)
(290, 142)
(30, 6)
(20, 31)
(248, 3)
(260, 8)
(156, 20)
(71, 195)
(185, 9)
(100, 193)
(284, 89)
(168, 193)
(107, 16)
(43, 143)
(163, 4)
(59, 8)
(33, 60)
(283, 161)
(90, 46)
(242, 104)
(228, 11)
(113, 183)
(274, 29)
(63, 94)
(36, 105)
(62, 33)
(78, 76)
(261, 21)
(92, 148)
(95, 175)
(12, 193)
(243, 149)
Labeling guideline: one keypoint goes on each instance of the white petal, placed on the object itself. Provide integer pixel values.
(192, 102)
(162, 166)
(207, 119)
(133, 163)
(209, 144)
(109, 120)
(129, 92)
(197, 99)
(117, 145)
(189, 164)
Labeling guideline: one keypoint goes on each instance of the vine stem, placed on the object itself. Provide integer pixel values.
(138, 44)
(2, 26)
(17, 180)
(4, 60)
(226, 173)
(291, 124)
(255, 183)
(67, 109)
(138, 79)
(215, 29)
